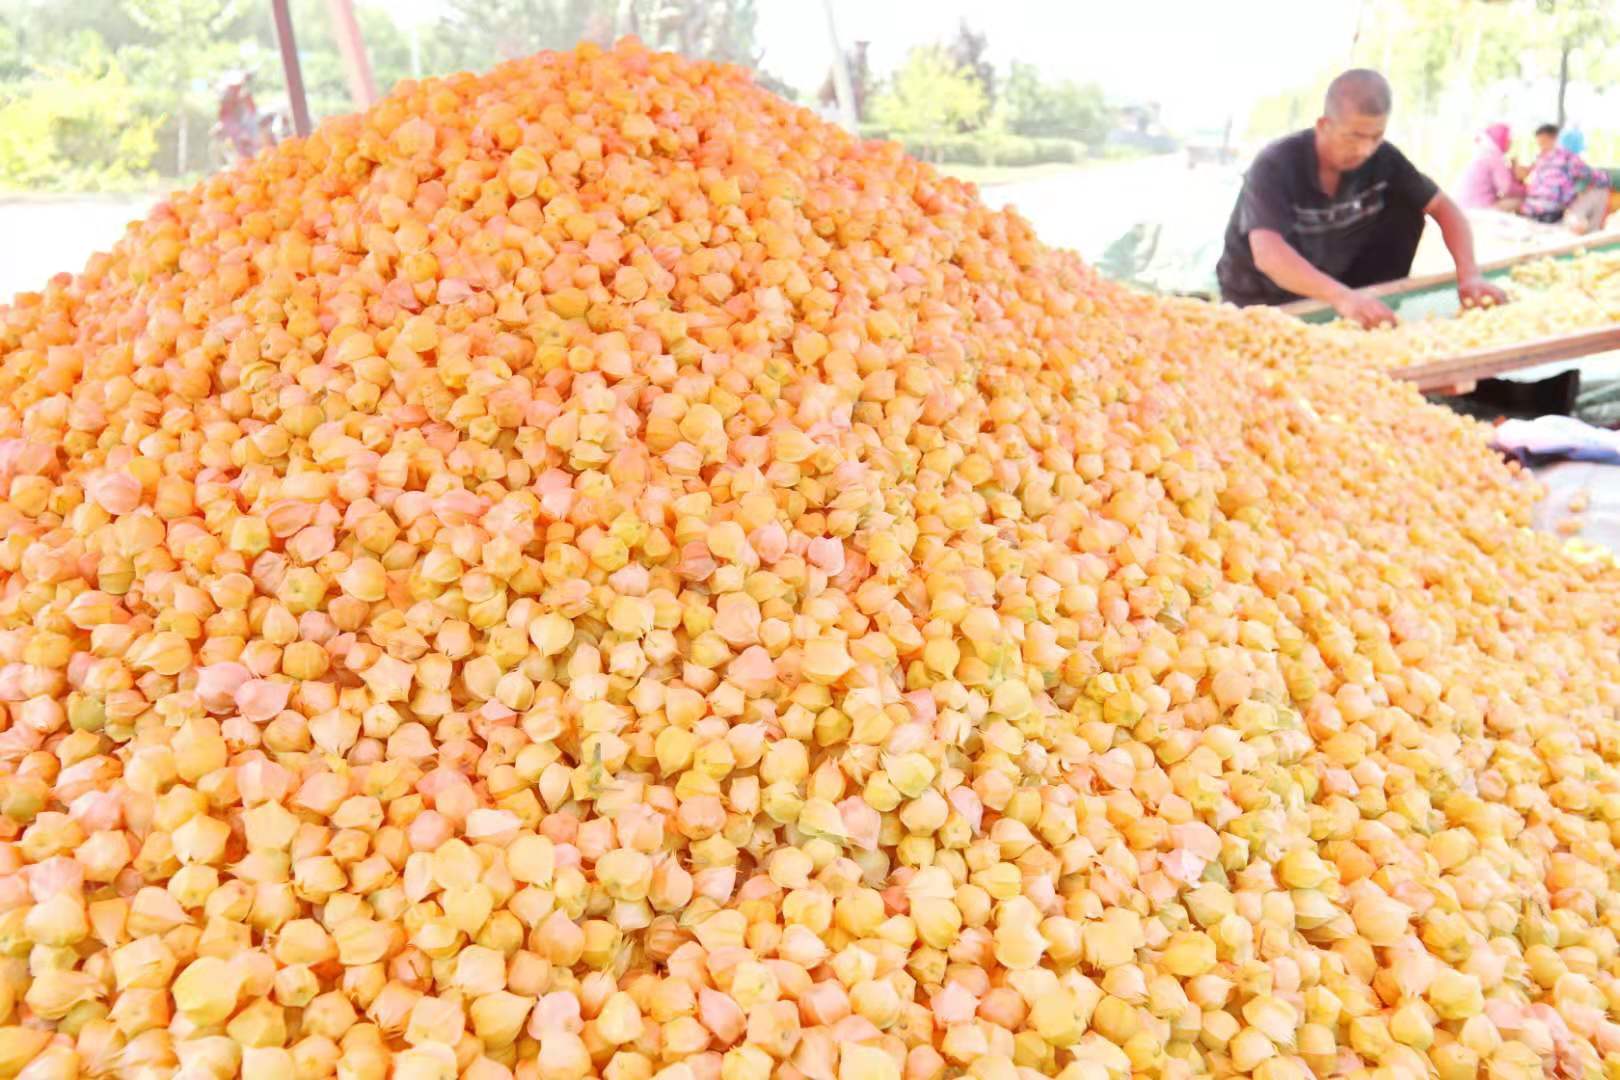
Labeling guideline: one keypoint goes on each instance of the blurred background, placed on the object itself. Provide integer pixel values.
(1121, 130)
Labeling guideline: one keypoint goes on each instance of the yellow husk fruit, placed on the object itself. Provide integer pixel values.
(588, 570)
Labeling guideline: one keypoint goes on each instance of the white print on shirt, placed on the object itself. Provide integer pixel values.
(1312, 221)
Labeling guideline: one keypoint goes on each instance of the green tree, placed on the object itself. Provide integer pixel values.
(482, 32)
(479, 33)
(75, 127)
(185, 46)
(1581, 33)
(1455, 64)
(35, 34)
(1285, 111)
(713, 29)
(388, 46)
(967, 54)
(929, 96)
(1066, 109)
(1439, 52)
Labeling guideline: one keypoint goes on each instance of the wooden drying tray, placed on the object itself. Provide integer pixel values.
(1496, 268)
(1459, 374)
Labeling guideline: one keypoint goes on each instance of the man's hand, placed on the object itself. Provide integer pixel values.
(1363, 308)
(1475, 291)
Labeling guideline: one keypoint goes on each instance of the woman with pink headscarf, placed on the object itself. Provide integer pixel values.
(1488, 183)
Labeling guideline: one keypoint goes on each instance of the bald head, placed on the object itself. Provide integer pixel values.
(1354, 117)
(1357, 92)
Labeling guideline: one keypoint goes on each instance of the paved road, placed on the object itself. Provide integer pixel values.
(46, 236)
(1088, 209)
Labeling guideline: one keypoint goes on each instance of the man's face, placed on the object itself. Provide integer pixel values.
(1545, 141)
(1347, 141)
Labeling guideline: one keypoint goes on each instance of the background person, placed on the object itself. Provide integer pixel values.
(1488, 183)
(1556, 178)
(1590, 206)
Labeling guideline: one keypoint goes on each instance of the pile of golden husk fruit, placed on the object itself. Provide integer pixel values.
(590, 571)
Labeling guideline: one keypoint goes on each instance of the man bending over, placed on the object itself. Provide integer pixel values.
(1330, 210)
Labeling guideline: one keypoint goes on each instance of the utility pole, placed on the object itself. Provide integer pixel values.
(842, 87)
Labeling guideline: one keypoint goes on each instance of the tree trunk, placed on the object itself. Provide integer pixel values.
(182, 157)
(1563, 78)
(840, 68)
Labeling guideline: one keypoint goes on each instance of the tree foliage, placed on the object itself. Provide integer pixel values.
(1443, 51)
(482, 32)
(147, 71)
(1066, 109)
(479, 33)
(967, 53)
(78, 127)
(1457, 64)
(182, 49)
(1581, 33)
(930, 95)
(388, 47)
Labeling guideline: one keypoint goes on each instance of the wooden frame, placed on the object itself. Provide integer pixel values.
(1457, 374)
(1423, 282)
(1461, 373)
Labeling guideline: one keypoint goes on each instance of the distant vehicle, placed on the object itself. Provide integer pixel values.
(1210, 146)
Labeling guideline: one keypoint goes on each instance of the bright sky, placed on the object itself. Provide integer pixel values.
(1201, 59)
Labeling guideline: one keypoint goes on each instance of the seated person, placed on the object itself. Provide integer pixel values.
(1591, 203)
(1329, 210)
(1555, 179)
(1488, 182)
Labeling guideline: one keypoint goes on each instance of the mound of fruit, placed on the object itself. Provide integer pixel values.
(588, 570)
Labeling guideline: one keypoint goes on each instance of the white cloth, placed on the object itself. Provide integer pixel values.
(1595, 488)
(1561, 436)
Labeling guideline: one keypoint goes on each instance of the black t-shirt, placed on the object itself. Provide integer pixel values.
(1379, 205)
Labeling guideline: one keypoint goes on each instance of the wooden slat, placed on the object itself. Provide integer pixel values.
(1422, 282)
(1470, 367)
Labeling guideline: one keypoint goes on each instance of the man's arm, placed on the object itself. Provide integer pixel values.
(1276, 258)
(1472, 288)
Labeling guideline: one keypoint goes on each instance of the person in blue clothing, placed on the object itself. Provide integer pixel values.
(1588, 202)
